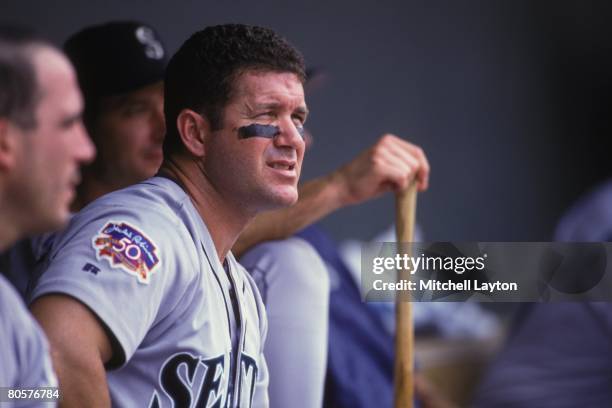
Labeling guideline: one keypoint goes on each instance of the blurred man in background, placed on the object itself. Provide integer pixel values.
(42, 144)
(120, 66)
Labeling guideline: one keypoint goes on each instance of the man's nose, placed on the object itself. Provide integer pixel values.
(290, 135)
(85, 150)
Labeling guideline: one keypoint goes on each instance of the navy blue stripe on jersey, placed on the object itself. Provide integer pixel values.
(229, 322)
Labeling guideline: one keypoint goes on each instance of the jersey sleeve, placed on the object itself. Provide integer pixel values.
(120, 264)
(24, 351)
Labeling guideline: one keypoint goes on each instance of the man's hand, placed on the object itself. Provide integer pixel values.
(390, 165)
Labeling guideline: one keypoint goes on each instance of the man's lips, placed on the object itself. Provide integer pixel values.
(75, 180)
(72, 184)
(286, 165)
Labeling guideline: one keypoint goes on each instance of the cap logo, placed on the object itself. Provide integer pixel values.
(153, 48)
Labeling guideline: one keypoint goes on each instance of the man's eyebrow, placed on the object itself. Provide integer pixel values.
(275, 105)
(68, 120)
(303, 110)
(265, 106)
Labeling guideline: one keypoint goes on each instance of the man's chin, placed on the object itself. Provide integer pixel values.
(281, 200)
(289, 202)
(288, 197)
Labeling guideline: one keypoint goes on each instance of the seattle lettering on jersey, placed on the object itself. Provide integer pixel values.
(194, 382)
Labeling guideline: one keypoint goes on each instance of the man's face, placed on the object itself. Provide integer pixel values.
(129, 133)
(259, 172)
(50, 154)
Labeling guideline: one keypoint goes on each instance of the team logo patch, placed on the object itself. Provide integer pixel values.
(152, 47)
(126, 248)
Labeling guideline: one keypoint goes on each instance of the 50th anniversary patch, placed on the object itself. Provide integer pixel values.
(126, 248)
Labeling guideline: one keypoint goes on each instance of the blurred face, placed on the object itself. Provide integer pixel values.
(129, 133)
(246, 162)
(49, 156)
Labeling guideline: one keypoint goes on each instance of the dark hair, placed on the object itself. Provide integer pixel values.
(19, 90)
(200, 75)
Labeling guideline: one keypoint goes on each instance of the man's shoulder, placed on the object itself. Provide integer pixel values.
(24, 352)
(597, 198)
(155, 203)
(9, 298)
(154, 194)
(17, 326)
(147, 219)
(589, 218)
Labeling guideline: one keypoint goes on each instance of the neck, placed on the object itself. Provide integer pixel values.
(87, 191)
(224, 220)
(11, 230)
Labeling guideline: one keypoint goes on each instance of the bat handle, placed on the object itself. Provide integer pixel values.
(404, 334)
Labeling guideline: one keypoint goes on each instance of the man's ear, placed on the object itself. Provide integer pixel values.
(7, 144)
(194, 129)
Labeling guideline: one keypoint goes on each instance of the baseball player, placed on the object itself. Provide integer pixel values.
(555, 350)
(123, 114)
(297, 302)
(120, 66)
(295, 284)
(142, 300)
(42, 143)
(294, 276)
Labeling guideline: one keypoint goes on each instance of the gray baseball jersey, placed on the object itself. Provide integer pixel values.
(190, 330)
(24, 353)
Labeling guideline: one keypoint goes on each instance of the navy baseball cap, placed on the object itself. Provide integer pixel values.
(116, 58)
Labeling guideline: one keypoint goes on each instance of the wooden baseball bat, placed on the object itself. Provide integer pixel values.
(405, 211)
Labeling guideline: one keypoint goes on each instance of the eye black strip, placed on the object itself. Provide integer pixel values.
(257, 130)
